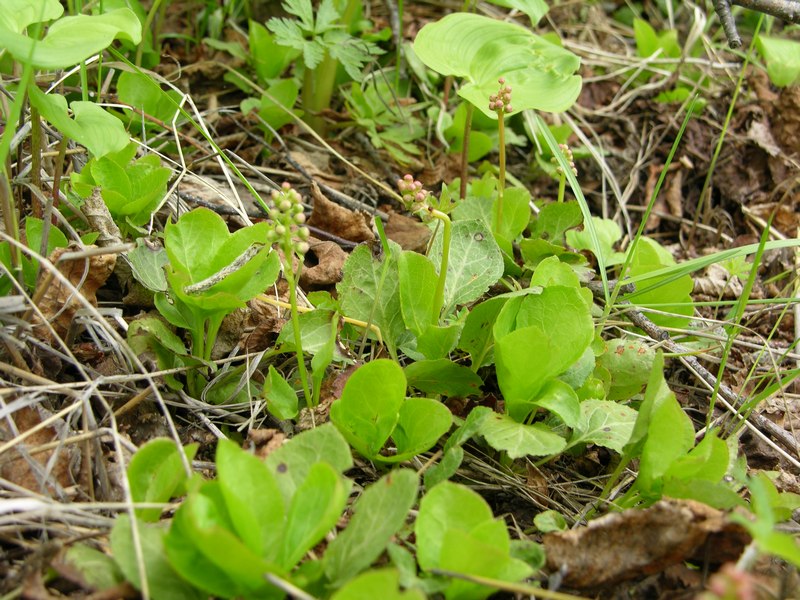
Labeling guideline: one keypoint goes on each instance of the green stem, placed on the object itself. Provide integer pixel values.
(317, 91)
(562, 186)
(438, 297)
(501, 182)
(288, 252)
(465, 149)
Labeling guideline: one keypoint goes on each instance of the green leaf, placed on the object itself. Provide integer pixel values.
(481, 50)
(277, 104)
(370, 291)
(421, 422)
(378, 583)
(604, 423)
(550, 520)
(518, 440)
(555, 219)
(669, 437)
(147, 264)
(535, 9)
(782, 57)
(447, 506)
(92, 126)
(557, 397)
(137, 90)
(18, 14)
(315, 509)
(446, 467)
(444, 377)
(291, 462)
(418, 278)
(269, 58)
(516, 213)
(377, 515)
(156, 473)
(163, 582)
(70, 40)
(608, 234)
(366, 418)
(281, 397)
(475, 263)
(315, 333)
(98, 570)
(438, 342)
(477, 337)
(554, 329)
(551, 271)
(630, 362)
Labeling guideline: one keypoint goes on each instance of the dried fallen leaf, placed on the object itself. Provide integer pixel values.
(60, 302)
(408, 233)
(341, 222)
(639, 542)
(327, 271)
(47, 472)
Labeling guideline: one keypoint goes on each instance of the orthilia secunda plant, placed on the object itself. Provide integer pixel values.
(418, 201)
(562, 176)
(291, 235)
(501, 104)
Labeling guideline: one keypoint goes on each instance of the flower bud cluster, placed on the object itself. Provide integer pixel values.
(568, 155)
(286, 212)
(501, 101)
(414, 196)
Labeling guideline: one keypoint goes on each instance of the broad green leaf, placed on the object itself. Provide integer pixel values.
(418, 278)
(367, 412)
(71, 40)
(163, 582)
(630, 362)
(281, 397)
(516, 213)
(555, 219)
(552, 271)
(156, 473)
(445, 468)
(447, 506)
(92, 126)
(269, 58)
(555, 328)
(378, 583)
(464, 552)
(291, 462)
(147, 264)
(315, 509)
(604, 423)
(438, 342)
(782, 57)
(669, 438)
(369, 291)
(709, 460)
(18, 14)
(475, 263)
(477, 338)
(137, 90)
(557, 397)
(444, 377)
(421, 422)
(315, 332)
(203, 548)
(377, 515)
(518, 439)
(535, 9)
(276, 107)
(656, 394)
(252, 498)
(608, 234)
(550, 520)
(481, 50)
(98, 570)
(323, 358)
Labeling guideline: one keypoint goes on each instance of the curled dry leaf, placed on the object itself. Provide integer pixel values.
(339, 221)
(327, 271)
(60, 301)
(50, 471)
(637, 542)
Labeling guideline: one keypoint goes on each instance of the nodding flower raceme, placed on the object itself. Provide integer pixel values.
(501, 101)
(286, 212)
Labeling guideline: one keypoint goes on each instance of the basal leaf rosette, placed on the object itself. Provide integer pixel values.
(480, 50)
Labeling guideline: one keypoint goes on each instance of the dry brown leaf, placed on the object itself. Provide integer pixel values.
(409, 233)
(60, 303)
(265, 441)
(639, 542)
(40, 472)
(338, 220)
(327, 271)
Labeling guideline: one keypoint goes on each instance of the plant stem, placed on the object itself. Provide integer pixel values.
(317, 91)
(501, 181)
(438, 297)
(298, 338)
(465, 149)
(562, 186)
